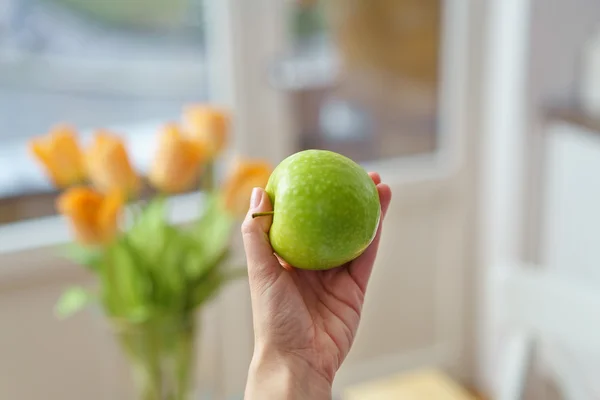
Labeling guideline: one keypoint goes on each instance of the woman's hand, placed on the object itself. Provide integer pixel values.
(304, 321)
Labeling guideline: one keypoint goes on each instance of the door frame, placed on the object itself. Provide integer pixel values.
(242, 40)
(503, 172)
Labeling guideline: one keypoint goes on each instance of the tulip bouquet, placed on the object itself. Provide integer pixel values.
(152, 275)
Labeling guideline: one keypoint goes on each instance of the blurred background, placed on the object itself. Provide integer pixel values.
(483, 116)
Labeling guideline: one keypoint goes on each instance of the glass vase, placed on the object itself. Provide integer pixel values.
(161, 353)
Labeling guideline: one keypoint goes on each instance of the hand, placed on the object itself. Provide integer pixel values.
(304, 321)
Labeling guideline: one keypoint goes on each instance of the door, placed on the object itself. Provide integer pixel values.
(387, 85)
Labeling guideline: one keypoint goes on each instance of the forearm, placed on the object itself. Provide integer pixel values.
(284, 378)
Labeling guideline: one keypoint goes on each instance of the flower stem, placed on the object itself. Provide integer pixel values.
(162, 352)
(208, 178)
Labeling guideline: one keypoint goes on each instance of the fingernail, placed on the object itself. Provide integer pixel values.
(255, 198)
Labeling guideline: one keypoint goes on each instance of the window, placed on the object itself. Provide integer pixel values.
(386, 107)
(93, 64)
(113, 64)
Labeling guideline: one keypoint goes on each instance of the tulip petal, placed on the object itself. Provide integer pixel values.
(60, 155)
(108, 215)
(109, 165)
(177, 163)
(93, 216)
(209, 125)
(238, 187)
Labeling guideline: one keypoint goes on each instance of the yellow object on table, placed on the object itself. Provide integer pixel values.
(420, 385)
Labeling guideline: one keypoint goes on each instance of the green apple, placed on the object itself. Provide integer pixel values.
(326, 209)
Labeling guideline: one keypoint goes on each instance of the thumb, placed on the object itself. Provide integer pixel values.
(263, 266)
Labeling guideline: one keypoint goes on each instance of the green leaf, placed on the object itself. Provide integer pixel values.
(146, 234)
(72, 301)
(199, 264)
(213, 234)
(206, 289)
(124, 284)
(87, 256)
(155, 246)
(169, 272)
(154, 212)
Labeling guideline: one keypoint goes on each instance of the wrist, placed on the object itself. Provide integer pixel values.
(273, 375)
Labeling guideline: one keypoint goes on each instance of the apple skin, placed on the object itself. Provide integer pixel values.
(326, 210)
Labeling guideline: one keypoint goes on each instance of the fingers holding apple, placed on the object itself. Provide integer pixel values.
(284, 263)
(376, 177)
(263, 266)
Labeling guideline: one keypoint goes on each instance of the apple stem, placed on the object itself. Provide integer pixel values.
(262, 214)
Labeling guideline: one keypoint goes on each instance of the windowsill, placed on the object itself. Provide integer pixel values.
(30, 249)
(54, 231)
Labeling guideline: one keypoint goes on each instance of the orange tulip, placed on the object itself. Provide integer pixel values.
(178, 161)
(93, 216)
(245, 176)
(208, 125)
(61, 155)
(109, 166)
